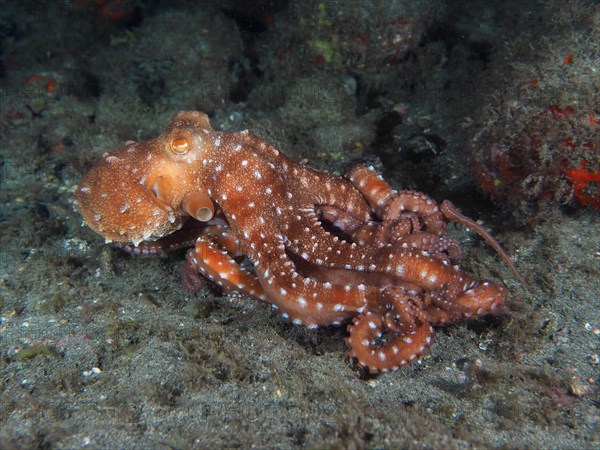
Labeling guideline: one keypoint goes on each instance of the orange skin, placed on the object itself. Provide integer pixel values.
(382, 261)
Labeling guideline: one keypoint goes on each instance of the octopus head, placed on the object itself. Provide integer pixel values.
(145, 190)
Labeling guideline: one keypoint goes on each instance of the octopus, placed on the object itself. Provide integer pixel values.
(320, 249)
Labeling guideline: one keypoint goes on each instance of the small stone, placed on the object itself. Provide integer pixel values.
(579, 388)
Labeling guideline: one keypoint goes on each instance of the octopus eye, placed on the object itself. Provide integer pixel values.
(179, 145)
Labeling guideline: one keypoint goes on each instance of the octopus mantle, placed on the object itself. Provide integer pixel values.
(323, 249)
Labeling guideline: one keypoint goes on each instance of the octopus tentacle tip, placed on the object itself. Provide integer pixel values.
(325, 250)
(451, 213)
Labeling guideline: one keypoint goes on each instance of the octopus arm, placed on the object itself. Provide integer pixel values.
(320, 246)
(299, 298)
(209, 259)
(183, 238)
(389, 337)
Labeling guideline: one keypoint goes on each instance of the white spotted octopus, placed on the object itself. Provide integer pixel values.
(323, 249)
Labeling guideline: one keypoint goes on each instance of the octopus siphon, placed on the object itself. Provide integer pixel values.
(322, 249)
